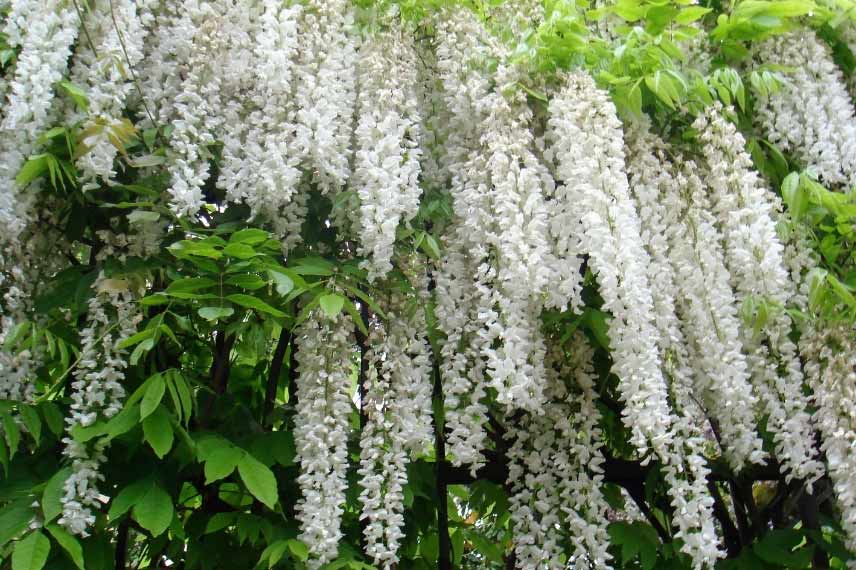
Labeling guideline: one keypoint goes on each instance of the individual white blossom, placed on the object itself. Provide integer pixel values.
(754, 257)
(324, 96)
(97, 393)
(325, 359)
(50, 28)
(812, 114)
(387, 158)
(586, 146)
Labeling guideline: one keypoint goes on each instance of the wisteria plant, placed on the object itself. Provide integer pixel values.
(414, 284)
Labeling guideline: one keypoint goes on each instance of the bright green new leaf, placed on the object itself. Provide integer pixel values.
(222, 462)
(332, 304)
(153, 510)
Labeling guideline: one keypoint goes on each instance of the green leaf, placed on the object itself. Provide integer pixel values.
(259, 480)
(68, 543)
(13, 433)
(249, 236)
(273, 553)
(794, 195)
(331, 304)
(32, 552)
(691, 14)
(53, 418)
(189, 284)
(282, 282)
(154, 509)
(298, 549)
(77, 94)
(153, 396)
(138, 216)
(32, 421)
(52, 495)
(127, 498)
(15, 517)
(158, 431)
(254, 303)
(221, 462)
(32, 169)
(239, 251)
(246, 281)
(214, 314)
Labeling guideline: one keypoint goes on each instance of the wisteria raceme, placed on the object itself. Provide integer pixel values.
(50, 28)
(387, 158)
(831, 373)
(461, 364)
(586, 145)
(324, 96)
(215, 50)
(708, 313)
(107, 70)
(200, 39)
(324, 357)
(556, 472)
(397, 408)
(685, 465)
(260, 163)
(497, 192)
(97, 393)
(812, 114)
(754, 257)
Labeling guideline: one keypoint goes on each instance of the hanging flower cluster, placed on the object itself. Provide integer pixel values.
(754, 257)
(593, 196)
(708, 312)
(325, 94)
(812, 114)
(324, 357)
(831, 373)
(105, 68)
(685, 469)
(397, 407)
(97, 393)
(387, 159)
(51, 27)
(499, 262)
(555, 470)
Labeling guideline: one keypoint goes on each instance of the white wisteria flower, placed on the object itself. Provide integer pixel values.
(387, 159)
(586, 145)
(325, 349)
(812, 114)
(97, 393)
(755, 260)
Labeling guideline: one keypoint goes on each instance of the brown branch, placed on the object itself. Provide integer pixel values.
(729, 531)
(285, 338)
(122, 545)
